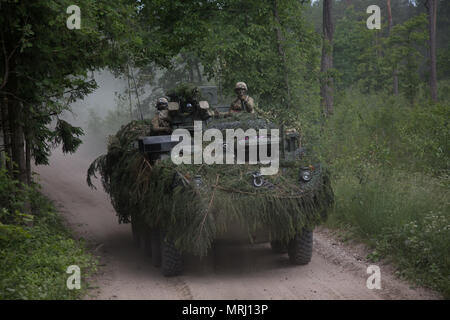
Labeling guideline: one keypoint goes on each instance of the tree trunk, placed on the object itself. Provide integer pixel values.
(281, 51)
(191, 72)
(432, 13)
(395, 72)
(27, 204)
(199, 73)
(129, 92)
(28, 142)
(15, 114)
(326, 88)
(6, 133)
(2, 141)
(389, 15)
(17, 140)
(137, 95)
(190, 67)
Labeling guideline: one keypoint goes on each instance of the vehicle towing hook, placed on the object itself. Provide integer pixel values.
(258, 180)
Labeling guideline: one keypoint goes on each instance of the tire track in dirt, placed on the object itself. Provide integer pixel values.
(182, 288)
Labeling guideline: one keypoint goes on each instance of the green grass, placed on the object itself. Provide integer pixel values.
(390, 173)
(35, 256)
(403, 217)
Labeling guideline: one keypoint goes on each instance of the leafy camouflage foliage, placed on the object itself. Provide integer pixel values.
(168, 197)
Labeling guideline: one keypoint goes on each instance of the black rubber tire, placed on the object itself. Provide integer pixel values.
(278, 247)
(155, 241)
(300, 248)
(172, 264)
(135, 232)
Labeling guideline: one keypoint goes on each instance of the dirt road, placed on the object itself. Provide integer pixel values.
(237, 272)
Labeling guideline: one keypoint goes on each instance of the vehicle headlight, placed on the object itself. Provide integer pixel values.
(305, 175)
(198, 181)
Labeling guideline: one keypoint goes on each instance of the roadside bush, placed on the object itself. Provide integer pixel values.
(35, 249)
(402, 217)
(390, 172)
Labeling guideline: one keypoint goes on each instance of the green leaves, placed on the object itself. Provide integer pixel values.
(68, 136)
(403, 53)
(369, 57)
(51, 62)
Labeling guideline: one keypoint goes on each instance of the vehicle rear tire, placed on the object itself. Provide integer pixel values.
(278, 247)
(172, 264)
(155, 242)
(300, 248)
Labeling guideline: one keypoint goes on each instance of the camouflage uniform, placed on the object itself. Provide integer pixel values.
(246, 104)
(161, 120)
(243, 101)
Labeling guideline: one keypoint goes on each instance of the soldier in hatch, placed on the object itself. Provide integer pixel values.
(161, 120)
(243, 102)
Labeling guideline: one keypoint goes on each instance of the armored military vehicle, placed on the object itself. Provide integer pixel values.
(184, 208)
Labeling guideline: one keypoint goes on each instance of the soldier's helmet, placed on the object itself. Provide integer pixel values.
(162, 104)
(240, 86)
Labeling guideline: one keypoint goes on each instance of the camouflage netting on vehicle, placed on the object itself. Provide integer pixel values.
(120, 166)
(194, 212)
(241, 120)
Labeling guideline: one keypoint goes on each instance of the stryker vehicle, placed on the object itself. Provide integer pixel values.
(188, 207)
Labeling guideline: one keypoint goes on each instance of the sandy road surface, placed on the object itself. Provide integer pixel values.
(237, 272)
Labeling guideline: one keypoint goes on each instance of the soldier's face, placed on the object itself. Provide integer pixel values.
(162, 106)
(240, 92)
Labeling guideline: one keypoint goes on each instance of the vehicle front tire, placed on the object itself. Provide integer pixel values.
(171, 263)
(300, 248)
